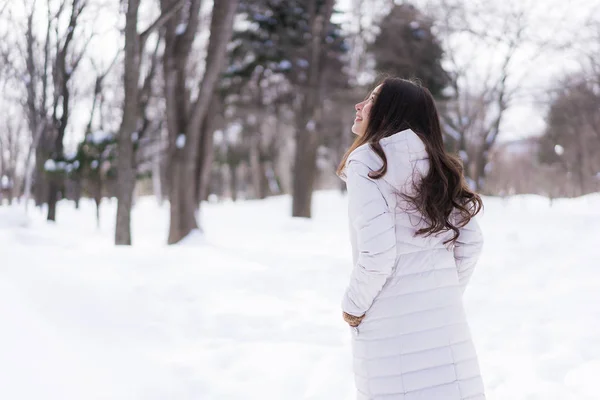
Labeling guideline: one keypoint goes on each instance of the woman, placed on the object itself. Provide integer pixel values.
(415, 244)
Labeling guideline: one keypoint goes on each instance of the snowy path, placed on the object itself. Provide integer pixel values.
(253, 311)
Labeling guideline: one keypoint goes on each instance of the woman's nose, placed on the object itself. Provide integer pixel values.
(357, 106)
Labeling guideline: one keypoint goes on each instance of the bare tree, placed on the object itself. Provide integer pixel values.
(572, 137)
(130, 124)
(186, 118)
(11, 148)
(9, 135)
(37, 86)
(94, 155)
(48, 65)
(482, 90)
(65, 63)
(310, 112)
(258, 106)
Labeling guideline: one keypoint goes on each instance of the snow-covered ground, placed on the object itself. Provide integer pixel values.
(251, 310)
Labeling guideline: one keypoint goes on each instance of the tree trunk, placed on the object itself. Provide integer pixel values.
(10, 194)
(233, 181)
(580, 167)
(53, 189)
(56, 182)
(125, 185)
(40, 189)
(254, 164)
(479, 175)
(305, 168)
(268, 181)
(206, 154)
(98, 200)
(182, 197)
(77, 191)
(156, 171)
(183, 166)
(207, 170)
(125, 152)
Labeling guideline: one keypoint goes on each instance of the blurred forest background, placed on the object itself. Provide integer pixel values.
(195, 100)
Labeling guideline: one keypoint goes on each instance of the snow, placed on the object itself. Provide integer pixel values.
(50, 165)
(582, 379)
(135, 136)
(234, 131)
(302, 63)
(100, 136)
(10, 219)
(559, 150)
(180, 141)
(232, 69)
(4, 182)
(218, 136)
(180, 29)
(249, 309)
(94, 164)
(285, 65)
(70, 153)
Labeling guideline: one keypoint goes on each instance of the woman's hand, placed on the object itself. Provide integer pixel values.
(352, 320)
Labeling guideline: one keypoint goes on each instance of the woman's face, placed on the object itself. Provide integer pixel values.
(363, 110)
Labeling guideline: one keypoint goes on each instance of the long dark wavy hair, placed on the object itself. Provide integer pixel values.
(402, 104)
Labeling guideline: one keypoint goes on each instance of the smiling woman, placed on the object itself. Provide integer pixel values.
(415, 244)
(363, 110)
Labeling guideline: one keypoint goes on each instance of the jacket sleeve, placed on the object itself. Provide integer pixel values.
(467, 250)
(375, 240)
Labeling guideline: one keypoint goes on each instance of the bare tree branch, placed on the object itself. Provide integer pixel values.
(160, 21)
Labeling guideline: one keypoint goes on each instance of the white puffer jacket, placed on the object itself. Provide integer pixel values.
(414, 342)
